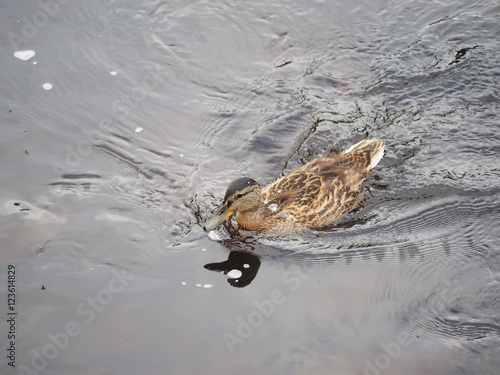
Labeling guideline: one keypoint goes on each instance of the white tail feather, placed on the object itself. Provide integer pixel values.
(376, 146)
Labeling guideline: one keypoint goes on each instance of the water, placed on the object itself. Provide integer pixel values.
(123, 124)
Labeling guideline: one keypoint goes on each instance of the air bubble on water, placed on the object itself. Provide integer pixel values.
(113, 73)
(138, 129)
(234, 274)
(24, 55)
(47, 86)
(198, 285)
(183, 283)
(246, 265)
(206, 286)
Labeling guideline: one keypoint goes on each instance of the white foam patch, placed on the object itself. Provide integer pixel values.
(214, 236)
(47, 86)
(24, 55)
(139, 129)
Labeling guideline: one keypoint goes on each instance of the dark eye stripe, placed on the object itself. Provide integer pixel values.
(238, 196)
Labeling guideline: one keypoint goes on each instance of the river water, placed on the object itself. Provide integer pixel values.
(122, 123)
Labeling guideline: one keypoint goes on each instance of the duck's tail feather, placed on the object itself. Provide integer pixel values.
(375, 148)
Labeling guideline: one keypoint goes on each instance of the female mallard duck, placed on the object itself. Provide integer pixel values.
(312, 195)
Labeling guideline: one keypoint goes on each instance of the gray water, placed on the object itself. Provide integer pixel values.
(121, 133)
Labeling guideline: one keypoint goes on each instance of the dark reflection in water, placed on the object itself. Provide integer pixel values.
(246, 263)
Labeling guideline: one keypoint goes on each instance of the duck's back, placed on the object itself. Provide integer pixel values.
(318, 192)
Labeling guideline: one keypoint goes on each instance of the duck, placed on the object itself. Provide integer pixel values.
(312, 195)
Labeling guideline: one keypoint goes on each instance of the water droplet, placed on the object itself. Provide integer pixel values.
(206, 286)
(113, 73)
(183, 283)
(47, 86)
(138, 129)
(273, 207)
(246, 265)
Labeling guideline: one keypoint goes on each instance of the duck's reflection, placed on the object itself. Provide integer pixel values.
(241, 268)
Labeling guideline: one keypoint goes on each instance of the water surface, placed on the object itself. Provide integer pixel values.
(122, 131)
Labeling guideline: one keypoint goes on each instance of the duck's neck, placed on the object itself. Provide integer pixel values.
(251, 219)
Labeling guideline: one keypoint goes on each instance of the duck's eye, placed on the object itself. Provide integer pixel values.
(239, 196)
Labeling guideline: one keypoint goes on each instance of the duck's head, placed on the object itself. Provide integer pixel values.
(243, 194)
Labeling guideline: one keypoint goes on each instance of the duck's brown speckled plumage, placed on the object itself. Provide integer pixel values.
(312, 195)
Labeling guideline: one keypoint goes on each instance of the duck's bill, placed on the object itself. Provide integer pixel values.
(222, 214)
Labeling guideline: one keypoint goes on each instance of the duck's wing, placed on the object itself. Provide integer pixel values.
(310, 198)
(351, 166)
